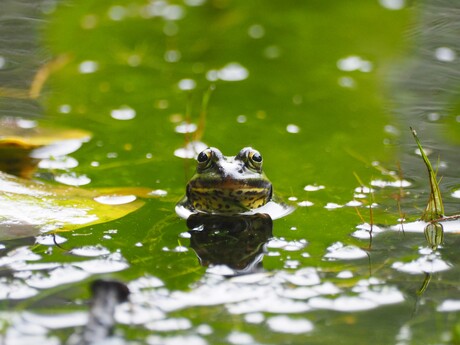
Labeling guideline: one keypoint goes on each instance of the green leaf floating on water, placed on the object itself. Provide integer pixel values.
(435, 208)
(28, 208)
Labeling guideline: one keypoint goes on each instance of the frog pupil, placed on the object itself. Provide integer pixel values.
(256, 157)
(202, 157)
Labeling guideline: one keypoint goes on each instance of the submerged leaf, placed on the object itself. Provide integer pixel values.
(435, 207)
(23, 143)
(434, 234)
(28, 208)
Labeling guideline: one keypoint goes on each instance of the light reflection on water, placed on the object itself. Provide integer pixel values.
(295, 293)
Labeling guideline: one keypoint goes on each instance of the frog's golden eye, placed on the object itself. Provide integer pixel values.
(255, 160)
(204, 159)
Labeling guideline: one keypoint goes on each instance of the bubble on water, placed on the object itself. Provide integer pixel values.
(255, 318)
(417, 226)
(269, 303)
(285, 324)
(233, 72)
(204, 329)
(89, 21)
(172, 55)
(253, 278)
(168, 325)
(61, 275)
(297, 99)
(49, 240)
(56, 321)
(456, 193)
(426, 150)
(256, 31)
(158, 192)
(425, 264)
(272, 52)
(193, 3)
(2, 62)
(338, 251)
(57, 149)
(390, 129)
(123, 113)
(313, 188)
(287, 245)
(180, 249)
(353, 203)
(186, 128)
(90, 251)
(220, 270)
(394, 183)
(392, 4)
(364, 231)
(241, 119)
(176, 340)
(354, 63)
(305, 203)
(212, 75)
(345, 275)
(343, 303)
(15, 289)
(112, 263)
(88, 66)
(240, 338)
(187, 84)
(26, 124)
(364, 190)
(72, 179)
(173, 12)
(191, 149)
(291, 128)
(433, 117)
(145, 282)
(449, 305)
(347, 82)
(230, 72)
(117, 12)
(115, 199)
(445, 54)
(332, 206)
(383, 295)
(304, 277)
(291, 264)
(58, 162)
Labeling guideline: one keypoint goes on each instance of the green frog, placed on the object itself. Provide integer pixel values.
(227, 185)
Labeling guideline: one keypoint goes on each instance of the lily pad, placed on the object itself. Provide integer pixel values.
(29, 208)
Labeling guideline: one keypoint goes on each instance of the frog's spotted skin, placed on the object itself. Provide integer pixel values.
(228, 185)
(236, 198)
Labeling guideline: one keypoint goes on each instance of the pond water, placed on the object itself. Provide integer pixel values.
(326, 91)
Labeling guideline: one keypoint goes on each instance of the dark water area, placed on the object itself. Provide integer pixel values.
(426, 88)
(22, 54)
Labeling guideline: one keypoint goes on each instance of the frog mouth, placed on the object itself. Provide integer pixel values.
(229, 196)
(233, 184)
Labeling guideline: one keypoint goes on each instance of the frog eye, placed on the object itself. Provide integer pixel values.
(255, 160)
(204, 159)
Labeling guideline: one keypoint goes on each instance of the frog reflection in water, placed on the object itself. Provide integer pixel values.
(229, 207)
(228, 185)
(237, 241)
